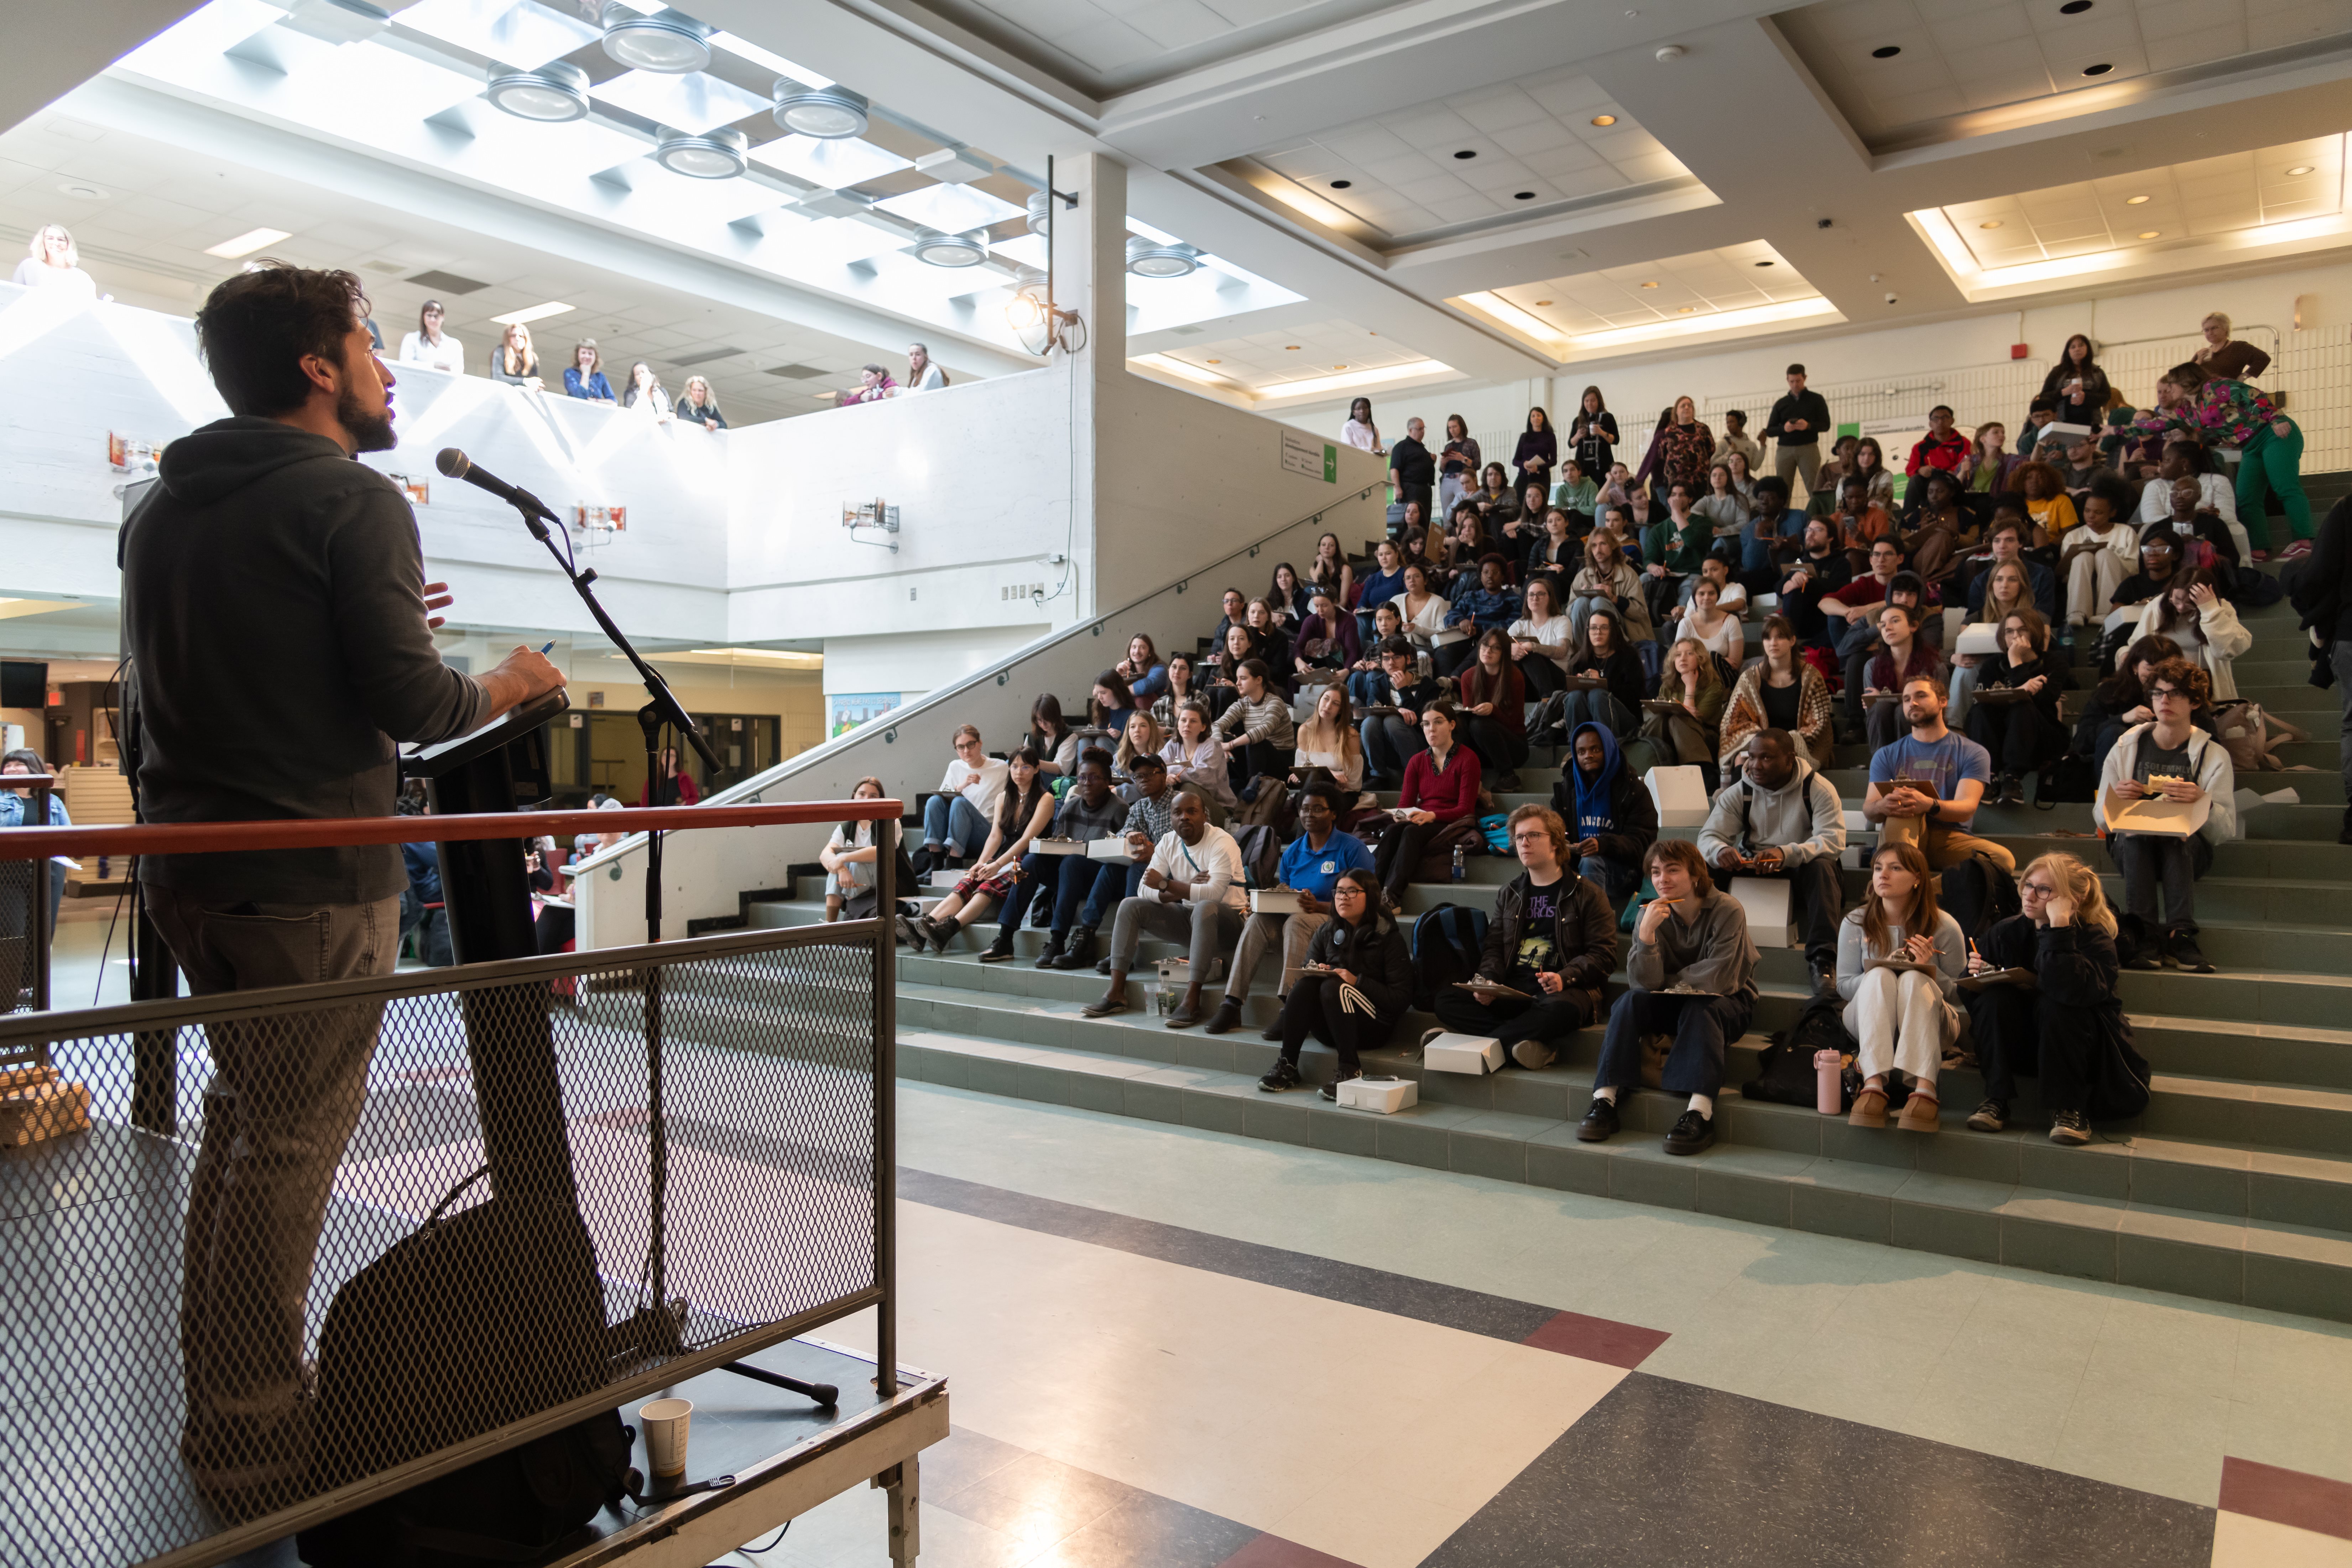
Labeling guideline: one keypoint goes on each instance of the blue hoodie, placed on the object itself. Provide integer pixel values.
(1594, 813)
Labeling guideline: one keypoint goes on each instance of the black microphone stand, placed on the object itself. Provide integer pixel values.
(655, 1329)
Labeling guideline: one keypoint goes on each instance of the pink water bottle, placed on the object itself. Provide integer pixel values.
(1829, 1068)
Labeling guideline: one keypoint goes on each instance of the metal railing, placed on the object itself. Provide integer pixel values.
(253, 1273)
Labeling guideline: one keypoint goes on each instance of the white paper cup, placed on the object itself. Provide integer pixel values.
(664, 1422)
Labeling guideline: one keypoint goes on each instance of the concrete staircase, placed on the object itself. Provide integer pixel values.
(2236, 1185)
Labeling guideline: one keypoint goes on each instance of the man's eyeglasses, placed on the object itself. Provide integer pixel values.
(1530, 837)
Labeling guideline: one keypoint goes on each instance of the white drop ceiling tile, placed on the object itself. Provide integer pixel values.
(1568, 93)
(1431, 129)
(1540, 135)
(1558, 162)
(1959, 28)
(1365, 143)
(1437, 187)
(1918, 66)
(1177, 23)
(1106, 45)
(1594, 181)
(1311, 162)
(1502, 111)
(1463, 209)
(1652, 166)
(1492, 174)
(2289, 211)
(1405, 168)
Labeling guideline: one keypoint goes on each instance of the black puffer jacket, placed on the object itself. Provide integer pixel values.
(1374, 953)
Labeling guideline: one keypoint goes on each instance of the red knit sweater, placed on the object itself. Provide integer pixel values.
(1449, 795)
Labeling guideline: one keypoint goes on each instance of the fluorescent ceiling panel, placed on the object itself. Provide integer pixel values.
(744, 49)
(833, 164)
(694, 103)
(952, 209)
(524, 34)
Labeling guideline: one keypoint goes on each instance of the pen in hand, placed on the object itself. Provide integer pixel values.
(547, 648)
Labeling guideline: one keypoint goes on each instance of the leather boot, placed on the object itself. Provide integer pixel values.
(1053, 950)
(1080, 953)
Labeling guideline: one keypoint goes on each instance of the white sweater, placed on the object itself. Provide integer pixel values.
(2225, 638)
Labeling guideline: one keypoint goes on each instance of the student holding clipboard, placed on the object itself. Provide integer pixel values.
(1899, 963)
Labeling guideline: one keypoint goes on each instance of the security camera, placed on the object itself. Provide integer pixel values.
(1890, 299)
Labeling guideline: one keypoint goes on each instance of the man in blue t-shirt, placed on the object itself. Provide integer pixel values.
(1926, 784)
(1311, 863)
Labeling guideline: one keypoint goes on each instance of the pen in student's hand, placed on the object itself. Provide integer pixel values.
(547, 648)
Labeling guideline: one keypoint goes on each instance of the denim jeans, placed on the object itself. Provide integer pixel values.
(2152, 862)
(1614, 878)
(952, 820)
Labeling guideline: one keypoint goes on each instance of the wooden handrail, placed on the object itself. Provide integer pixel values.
(337, 832)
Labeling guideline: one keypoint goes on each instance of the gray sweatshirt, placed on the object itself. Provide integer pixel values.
(273, 608)
(1803, 820)
(1952, 954)
(1710, 953)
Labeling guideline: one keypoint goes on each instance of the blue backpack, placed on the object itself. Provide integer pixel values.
(1446, 944)
(1495, 829)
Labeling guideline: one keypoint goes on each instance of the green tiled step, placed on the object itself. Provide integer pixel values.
(1999, 1209)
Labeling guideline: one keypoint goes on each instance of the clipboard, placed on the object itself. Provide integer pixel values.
(1901, 965)
(1488, 988)
(1660, 705)
(2001, 696)
(2025, 979)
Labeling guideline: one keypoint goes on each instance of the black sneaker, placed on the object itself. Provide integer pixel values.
(1691, 1132)
(2181, 950)
(1824, 978)
(1053, 951)
(1225, 1019)
(1272, 1031)
(1599, 1124)
(940, 935)
(1282, 1075)
(1102, 965)
(2070, 1128)
(1990, 1117)
(1330, 1091)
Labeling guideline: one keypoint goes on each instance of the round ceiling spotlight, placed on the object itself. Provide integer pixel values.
(1341, 184)
(1027, 307)
(1885, 51)
(2102, 68)
(553, 93)
(1764, 264)
(1651, 284)
(2299, 168)
(2136, 201)
(1990, 223)
(1467, 153)
(938, 250)
(1605, 121)
(829, 113)
(82, 192)
(2151, 233)
(665, 41)
(2074, 8)
(1158, 259)
(1685, 309)
(1542, 302)
(720, 154)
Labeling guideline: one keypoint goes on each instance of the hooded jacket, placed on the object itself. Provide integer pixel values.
(1803, 820)
(273, 610)
(1633, 816)
(2215, 776)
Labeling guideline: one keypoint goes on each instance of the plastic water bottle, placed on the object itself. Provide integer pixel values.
(1460, 869)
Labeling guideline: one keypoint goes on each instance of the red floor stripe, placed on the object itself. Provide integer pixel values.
(2287, 1497)
(1274, 1551)
(1597, 1339)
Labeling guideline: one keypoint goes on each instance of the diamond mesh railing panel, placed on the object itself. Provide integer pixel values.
(178, 1366)
(19, 958)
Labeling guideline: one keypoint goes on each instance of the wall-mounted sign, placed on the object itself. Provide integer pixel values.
(1302, 454)
(851, 708)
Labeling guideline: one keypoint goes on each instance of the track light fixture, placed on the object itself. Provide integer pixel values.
(829, 113)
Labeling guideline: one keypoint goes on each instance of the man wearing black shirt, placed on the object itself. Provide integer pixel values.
(1797, 423)
(1411, 469)
(1552, 937)
(1820, 568)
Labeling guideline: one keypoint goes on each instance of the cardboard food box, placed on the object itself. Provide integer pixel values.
(1112, 848)
(1979, 637)
(1471, 1054)
(1273, 901)
(1766, 899)
(1384, 1095)
(1056, 847)
(1680, 796)
(42, 1110)
(2172, 818)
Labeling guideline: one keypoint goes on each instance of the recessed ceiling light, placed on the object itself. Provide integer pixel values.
(1523, 195)
(82, 192)
(245, 244)
(719, 155)
(1764, 264)
(829, 113)
(2075, 8)
(531, 313)
(1290, 348)
(1543, 302)
(2102, 68)
(1651, 284)
(952, 250)
(1338, 367)
(1604, 120)
(1685, 310)
(1216, 362)
(1467, 153)
(2136, 201)
(1990, 223)
(1341, 184)
(1152, 258)
(2149, 233)
(2300, 169)
(552, 94)
(664, 42)
(1885, 51)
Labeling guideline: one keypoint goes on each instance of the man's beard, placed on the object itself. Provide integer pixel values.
(372, 432)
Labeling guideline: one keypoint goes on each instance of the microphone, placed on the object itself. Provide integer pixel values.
(454, 464)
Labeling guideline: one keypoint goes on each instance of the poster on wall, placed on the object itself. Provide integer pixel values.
(851, 708)
(1302, 454)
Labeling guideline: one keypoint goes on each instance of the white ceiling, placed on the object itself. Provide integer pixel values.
(1262, 362)
(1530, 142)
(1959, 55)
(1704, 283)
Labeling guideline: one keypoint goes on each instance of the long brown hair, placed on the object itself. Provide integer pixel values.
(1921, 920)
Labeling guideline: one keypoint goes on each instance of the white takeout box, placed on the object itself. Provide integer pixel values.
(1680, 796)
(1112, 848)
(2171, 818)
(1766, 899)
(1471, 1054)
(1979, 637)
(1055, 847)
(1273, 901)
(1385, 1095)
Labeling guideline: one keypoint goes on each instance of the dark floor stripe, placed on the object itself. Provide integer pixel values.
(2287, 1497)
(1401, 1295)
(1274, 1551)
(1663, 1471)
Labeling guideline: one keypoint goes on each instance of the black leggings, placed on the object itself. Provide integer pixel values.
(1314, 1009)
(1257, 757)
(1543, 676)
(1399, 853)
(2019, 735)
(1499, 751)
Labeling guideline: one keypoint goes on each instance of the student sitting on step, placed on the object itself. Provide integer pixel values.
(1392, 740)
(1611, 817)
(1441, 786)
(1024, 808)
(1192, 893)
(1942, 777)
(1311, 865)
(1083, 889)
(1781, 819)
(1692, 978)
(2120, 701)
(956, 818)
(1903, 1018)
(2168, 758)
(1904, 656)
(1552, 937)
(2026, 733)
(2068, 1026)
(1358, 984)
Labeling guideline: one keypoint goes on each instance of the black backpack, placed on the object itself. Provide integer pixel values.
(1785, 1066)
(1977, 893)
(2070, 780)
(1447, 943)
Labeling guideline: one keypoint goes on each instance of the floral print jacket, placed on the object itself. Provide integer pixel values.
(2225, 413)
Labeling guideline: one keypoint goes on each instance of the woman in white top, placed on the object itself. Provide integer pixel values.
(1423, 611)
(1715, 628)
(2204, 623)
(1540, 640)
(848, 855)
(427, 345)
(54, 262)
(645, 392)
(1196, 760)
(1359, 432)
(2098, 554)
(1902, 1018)
(1329, 740)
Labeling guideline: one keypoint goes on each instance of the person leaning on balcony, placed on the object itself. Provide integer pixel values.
(515, 361)
(264, 547)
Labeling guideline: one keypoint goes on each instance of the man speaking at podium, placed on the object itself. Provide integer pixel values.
(274, 607)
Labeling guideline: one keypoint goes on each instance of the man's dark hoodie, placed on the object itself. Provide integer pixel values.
(273, 610)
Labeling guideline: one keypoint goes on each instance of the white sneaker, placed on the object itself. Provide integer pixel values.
(1533, 1054)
